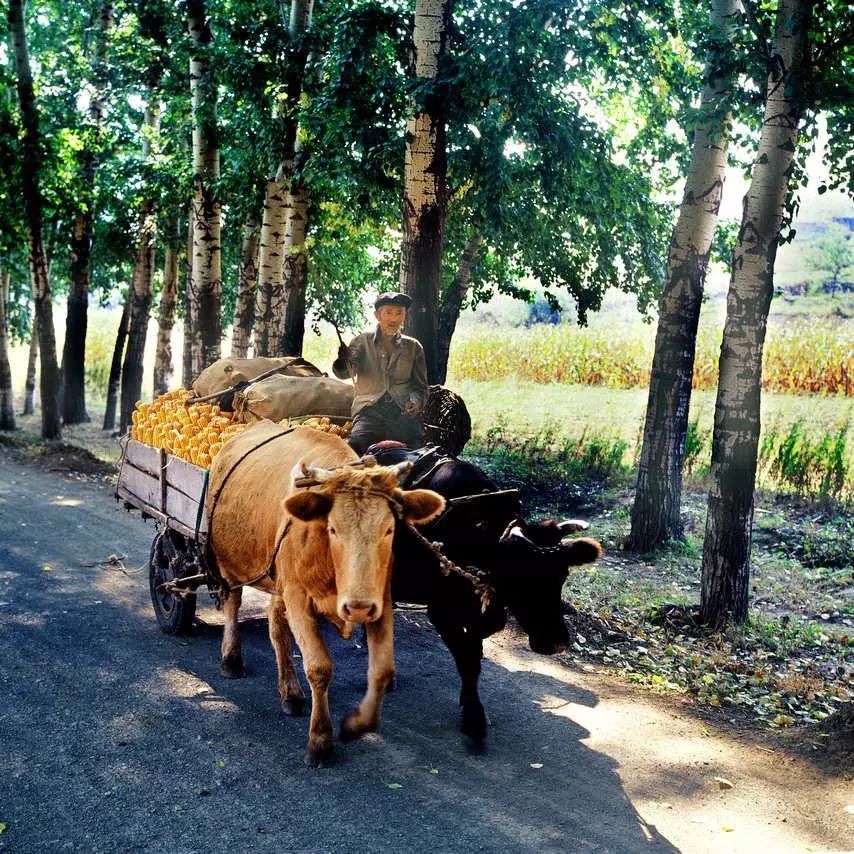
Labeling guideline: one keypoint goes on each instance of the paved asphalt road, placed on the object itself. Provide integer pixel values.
(115, 737)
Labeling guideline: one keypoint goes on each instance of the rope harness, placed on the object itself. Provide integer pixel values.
(476, 577)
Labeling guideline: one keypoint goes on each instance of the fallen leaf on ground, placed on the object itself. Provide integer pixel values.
(723, 783)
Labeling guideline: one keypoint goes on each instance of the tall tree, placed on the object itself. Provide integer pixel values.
(29, 406)
(163, 367)
(656, 509)
(141, 291)
(114, 380)
(74, 349)
(33, 204)
(424, 194)
(247, 280)
(187, 306)
(536, 190)
(206, 268)
(7, 397)
(295, 269)
(152, 25)
(285, 207)
(726, 551)
(452, 301)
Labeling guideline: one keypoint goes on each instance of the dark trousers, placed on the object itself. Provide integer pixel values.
(384, 420)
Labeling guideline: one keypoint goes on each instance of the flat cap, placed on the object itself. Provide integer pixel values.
(392, 298)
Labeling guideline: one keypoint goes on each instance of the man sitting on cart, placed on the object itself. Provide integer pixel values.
(390, 378)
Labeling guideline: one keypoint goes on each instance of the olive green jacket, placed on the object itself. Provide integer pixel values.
(403, 375)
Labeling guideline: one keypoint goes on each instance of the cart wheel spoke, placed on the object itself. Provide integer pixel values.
(172, 557)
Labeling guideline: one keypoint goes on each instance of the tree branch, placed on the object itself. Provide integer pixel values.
(759, 29)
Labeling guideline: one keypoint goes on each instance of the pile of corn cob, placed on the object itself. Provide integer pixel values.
(322, 423)
(194, 432)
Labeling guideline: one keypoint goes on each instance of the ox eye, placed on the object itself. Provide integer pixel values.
(332, 531)
(390, 531)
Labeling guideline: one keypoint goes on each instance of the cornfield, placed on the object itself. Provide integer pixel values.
(799, 358)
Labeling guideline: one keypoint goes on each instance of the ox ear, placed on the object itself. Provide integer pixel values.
(420, 505)
(581, 550)
(306, 506)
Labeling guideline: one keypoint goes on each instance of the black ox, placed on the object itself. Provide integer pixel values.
(526, 564)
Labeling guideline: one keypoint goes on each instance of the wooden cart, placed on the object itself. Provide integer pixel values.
(171, 491)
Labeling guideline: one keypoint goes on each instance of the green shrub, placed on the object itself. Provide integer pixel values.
(811, 467)
(99, 355)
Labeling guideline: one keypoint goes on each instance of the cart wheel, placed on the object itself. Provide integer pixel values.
(168, 560)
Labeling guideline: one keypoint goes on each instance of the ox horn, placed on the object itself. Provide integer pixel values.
(514, 532)
(401, 469)
(317, 473)
(303, 475)
(572, 526)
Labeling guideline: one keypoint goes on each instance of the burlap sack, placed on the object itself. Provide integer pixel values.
(279, 397)
(225, 373)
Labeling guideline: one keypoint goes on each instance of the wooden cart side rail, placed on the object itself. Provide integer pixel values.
(164, 486)
(128, 497)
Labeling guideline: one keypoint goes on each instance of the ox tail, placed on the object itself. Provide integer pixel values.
(582, 550)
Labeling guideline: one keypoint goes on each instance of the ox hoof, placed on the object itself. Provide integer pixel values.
(293, 706)
(232, 668)
(353, 727)
(319, 755)
(474, 723)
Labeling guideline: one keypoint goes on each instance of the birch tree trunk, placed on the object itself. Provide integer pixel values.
(76, 320)
(425, 192)
(292, 331)
(207, 260)
(187, 306)
(30, 384)
(7, 397)
(247, 280)
(449, 310)
(30, 168)
(656, 509)
(115, 380)
(270, 263)
(74, 349)
(163, 368)
(726, 551)
(141, 290)
(277, 227)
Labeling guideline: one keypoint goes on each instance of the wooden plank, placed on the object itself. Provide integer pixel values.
(145, 486)
(143, 457)
(185, 477)
(184, 510)
(164, 457)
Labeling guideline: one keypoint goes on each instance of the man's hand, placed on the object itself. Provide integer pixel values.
(411, 409)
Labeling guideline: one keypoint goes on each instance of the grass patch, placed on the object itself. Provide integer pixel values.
(548, 467)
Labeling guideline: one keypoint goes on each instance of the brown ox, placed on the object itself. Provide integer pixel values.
(328, 548)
